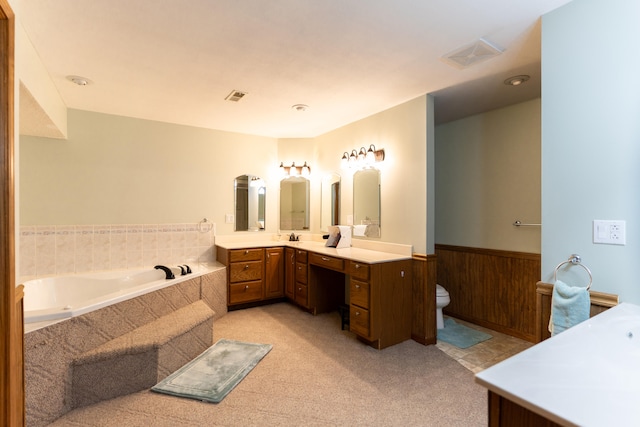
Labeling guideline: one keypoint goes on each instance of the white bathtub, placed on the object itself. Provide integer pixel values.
(60, 297)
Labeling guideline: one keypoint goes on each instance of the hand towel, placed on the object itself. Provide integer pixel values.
(570, 305)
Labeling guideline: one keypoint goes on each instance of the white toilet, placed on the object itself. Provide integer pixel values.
(442, 300)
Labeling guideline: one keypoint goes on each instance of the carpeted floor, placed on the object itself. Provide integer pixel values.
(316, 374)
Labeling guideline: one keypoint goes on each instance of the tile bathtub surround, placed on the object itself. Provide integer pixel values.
(69, 249)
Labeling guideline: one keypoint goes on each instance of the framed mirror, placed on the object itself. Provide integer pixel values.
(294, 203)
(250, 200)
(329, 201)
(366, 203)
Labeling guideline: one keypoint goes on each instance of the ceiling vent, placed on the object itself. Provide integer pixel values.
(471, 54)
(235, 96)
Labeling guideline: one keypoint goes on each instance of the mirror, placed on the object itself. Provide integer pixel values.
(330, 201)
(366, 203)
(294, 203)
(250, 193)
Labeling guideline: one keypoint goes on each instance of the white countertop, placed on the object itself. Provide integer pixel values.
(588, 375)
(355, 254)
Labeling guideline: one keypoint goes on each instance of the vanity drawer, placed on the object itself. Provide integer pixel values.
(245, 292)
(327, 261)
(359, 270)
(301, 256)
(239, 255)
(302, 293)
(301, 272)
(359, 321)
(359, 293)
(244, 271)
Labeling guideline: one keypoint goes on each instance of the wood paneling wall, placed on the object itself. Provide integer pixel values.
(11, 337)
(423, 321)
(600, 302)
(491, 288)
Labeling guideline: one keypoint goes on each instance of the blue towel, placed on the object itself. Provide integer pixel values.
(570, 305)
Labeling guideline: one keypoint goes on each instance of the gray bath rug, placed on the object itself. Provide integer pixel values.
(459, 335)
(212, 375)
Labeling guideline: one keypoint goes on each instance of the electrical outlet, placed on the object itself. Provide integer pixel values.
(228, 218)
(609, 232)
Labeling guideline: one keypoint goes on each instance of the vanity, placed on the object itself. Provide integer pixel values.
(375, 285)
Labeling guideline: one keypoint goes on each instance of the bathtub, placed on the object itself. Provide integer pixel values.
(61, 297)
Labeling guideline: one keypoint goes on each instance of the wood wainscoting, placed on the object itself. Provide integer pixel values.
(423, 319)
(600, 302)
(491, 288)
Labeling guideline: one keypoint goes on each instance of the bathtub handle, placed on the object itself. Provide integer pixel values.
(167, 271)
(182, 270)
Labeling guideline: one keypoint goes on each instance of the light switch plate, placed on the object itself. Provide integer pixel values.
(609, 232)
(228, 218)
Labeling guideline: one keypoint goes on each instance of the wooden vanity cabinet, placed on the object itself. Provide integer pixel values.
(289, 273)
(253, 274)
(245, 274)
(301, 291)
(274, 273)
(380, 298)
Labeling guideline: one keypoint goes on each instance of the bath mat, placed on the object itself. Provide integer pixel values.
(212, 375)
(459, 335)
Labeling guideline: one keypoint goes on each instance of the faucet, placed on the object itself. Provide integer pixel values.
(188, 269)
(167, 271)
(293, 237)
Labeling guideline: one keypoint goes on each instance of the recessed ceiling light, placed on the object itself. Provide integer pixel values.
(300, 107)
(516, 80)
(80, 81)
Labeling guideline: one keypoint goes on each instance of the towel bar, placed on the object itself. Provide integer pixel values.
(575, 260)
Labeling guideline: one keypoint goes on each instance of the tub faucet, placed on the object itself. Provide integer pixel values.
(167, 271)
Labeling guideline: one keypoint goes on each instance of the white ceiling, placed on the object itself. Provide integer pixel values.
(176, 61)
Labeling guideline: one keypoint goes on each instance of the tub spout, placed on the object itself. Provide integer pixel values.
(166, 270)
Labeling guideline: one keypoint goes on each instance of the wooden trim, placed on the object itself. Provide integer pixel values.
(600, 302)
(491, 252)
(491, 288)
(11, 343)
(423, 319)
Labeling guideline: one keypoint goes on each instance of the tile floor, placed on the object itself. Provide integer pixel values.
(487, 353)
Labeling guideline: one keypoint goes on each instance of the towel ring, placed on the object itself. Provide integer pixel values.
(575, 260)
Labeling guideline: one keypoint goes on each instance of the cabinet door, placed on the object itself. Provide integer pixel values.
(290, 272)
(274, 273)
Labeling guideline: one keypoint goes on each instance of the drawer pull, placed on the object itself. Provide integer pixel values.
(324, 258)
(357, 266)
(246, 287)
(357, 286)
(300, 289)
(246, 251)
(357, 313)
(246, 267)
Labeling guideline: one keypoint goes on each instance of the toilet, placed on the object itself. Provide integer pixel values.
(442, 300)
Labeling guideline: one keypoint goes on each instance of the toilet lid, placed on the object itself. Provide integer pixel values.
(441, 292)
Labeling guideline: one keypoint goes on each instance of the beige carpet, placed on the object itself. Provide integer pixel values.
(315, 375)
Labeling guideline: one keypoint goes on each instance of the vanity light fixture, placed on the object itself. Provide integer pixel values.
(362, 157)
(293, 170)
(344, 162)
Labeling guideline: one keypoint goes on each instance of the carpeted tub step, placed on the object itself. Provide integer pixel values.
(139, 359)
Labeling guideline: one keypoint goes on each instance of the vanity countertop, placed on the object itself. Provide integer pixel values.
(589, 375)
(355, 254)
